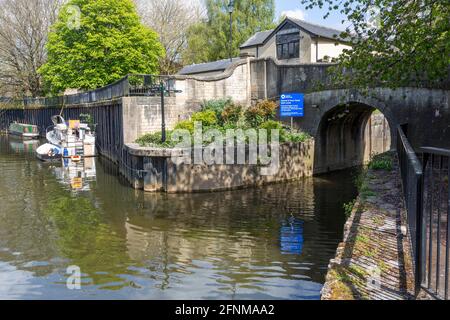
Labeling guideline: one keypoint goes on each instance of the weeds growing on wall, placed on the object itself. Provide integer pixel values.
(348, 208)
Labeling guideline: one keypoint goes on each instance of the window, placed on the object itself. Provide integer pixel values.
(288, 46)
(294, 49)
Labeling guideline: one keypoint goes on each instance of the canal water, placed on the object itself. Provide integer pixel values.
(273, 242)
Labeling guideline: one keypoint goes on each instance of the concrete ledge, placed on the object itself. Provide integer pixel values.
(137, 150)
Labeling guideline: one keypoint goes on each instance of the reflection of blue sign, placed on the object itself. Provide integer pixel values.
(291, 237)
(292, 105)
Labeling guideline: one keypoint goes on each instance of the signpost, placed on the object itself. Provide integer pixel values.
(292, 105)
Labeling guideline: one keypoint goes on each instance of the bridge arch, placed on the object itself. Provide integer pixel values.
(349, 133)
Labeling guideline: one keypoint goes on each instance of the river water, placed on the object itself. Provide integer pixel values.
(273, 242)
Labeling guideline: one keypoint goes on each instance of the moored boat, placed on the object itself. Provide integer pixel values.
(67, 140)
(25, 131)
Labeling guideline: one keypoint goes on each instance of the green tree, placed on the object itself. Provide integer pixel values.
(209, 40)
(94, 43)
(394, 41)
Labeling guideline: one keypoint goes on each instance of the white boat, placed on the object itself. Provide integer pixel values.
(67, 140)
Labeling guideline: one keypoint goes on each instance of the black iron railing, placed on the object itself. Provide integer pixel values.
(436, 215)
(427, 197)
(412, 180)
(131, 85)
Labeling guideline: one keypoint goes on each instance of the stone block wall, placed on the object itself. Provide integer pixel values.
(233, 83)
(143, 115)
(162, 174)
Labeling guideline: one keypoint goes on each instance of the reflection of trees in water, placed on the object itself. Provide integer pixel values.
(46, 227)
(88, 241)
(23, 230)
(236, 234)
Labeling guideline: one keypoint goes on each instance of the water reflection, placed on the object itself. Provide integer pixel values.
(19, 145)
(271, 242)
(78, 175)
(292, 236)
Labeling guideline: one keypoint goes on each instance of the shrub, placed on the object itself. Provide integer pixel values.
(208, 118)
(217, 106)
(231, 114)
(297, 137)
(268, 109)
(254, 116)
(273, 125)
(185, 125)
(154, 140)
(261, 112)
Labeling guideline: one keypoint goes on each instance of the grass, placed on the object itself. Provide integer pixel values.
(362, 238)
(370, 253)
(379, 221)
(358, 271)
(342, 287)
(362, 183)
(383, 266)
(381, 162)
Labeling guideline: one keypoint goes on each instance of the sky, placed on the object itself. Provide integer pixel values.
(296, 9)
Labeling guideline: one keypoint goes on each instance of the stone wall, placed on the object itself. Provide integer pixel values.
(340, 143)
(142, 115)
(161, 173)
(377, 135)
(234, 83)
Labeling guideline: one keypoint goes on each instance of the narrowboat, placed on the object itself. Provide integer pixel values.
(25, 131)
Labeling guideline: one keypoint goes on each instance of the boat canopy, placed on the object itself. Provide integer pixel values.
(58, 120)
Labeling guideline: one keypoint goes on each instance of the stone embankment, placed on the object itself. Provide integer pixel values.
(374, 261)
(161, 170)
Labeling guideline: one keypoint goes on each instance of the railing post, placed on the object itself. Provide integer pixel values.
(126, 87)
(420, 233)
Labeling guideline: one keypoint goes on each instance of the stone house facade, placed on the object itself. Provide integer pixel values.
(292, 42)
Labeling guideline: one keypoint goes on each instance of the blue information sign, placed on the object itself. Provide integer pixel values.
(292, 105)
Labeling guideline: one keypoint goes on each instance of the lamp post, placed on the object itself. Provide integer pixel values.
(230, 11)
(163, 112)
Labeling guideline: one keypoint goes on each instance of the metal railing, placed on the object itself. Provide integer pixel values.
(436, 215)
(412, 181)
(427, 197)
(131, 85)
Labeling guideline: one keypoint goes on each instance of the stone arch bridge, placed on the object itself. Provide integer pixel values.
(337, 118)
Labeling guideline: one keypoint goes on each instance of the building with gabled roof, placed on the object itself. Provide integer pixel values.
(293, 41)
